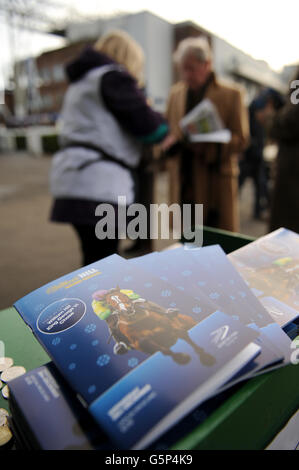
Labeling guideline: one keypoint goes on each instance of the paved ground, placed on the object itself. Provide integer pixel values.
(33, 250)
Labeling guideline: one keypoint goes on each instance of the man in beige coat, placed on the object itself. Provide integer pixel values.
(213, 168)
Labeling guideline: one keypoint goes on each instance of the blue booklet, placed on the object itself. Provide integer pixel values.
(207, 271)
(270, 266)
(47, 415)
(134, 348)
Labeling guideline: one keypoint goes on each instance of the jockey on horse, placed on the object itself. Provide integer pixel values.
(136, 323)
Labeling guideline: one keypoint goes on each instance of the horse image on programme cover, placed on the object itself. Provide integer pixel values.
(136, 323)
(276, 277)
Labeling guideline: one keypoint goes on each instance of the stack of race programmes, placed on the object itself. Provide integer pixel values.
(270, 266)
(142, 350)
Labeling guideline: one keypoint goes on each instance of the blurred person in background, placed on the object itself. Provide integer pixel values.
(285, 198)
(206, 173)
(252, 164)
(105, 121)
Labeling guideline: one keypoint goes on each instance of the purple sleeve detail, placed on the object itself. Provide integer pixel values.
(128, 104)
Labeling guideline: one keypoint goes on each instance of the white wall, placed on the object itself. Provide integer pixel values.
(256, 73)
(158, 47)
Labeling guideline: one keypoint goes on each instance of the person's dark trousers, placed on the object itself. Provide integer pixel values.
(258, 172)
(92, 248)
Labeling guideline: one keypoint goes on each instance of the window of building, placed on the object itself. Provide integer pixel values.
(45, 73)
(58, 73)
(59, 99)
(47, 101)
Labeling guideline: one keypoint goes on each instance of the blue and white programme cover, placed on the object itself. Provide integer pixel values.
(229, 289)
(270, 265)
(49, 416)
(139, 352)
(206, 273)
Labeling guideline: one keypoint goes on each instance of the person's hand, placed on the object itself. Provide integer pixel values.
(168, 142)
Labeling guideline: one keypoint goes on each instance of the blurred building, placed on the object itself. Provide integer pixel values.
(40, 83)
(233, 64)
(289, 72)
(9, 101)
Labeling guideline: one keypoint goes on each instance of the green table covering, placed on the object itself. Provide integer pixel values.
(251, 417)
